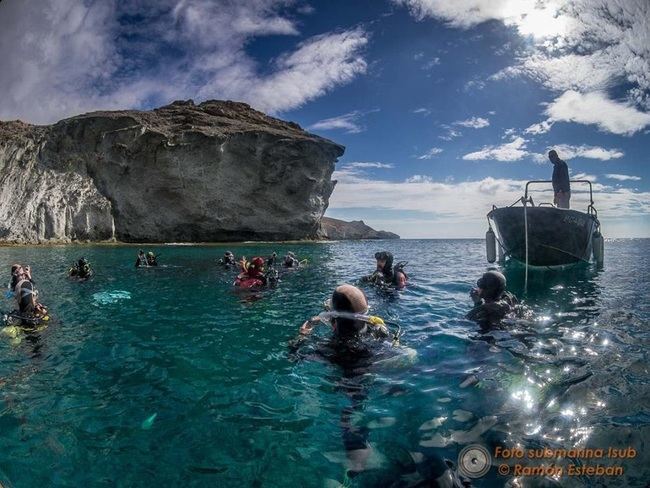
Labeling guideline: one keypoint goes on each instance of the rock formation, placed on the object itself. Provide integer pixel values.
(217, 171)
(335, 229)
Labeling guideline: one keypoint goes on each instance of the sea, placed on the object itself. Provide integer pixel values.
(169, 376)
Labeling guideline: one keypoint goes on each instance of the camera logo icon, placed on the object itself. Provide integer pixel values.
(474, 461)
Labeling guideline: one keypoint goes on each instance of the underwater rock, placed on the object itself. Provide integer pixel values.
(338, 230)
(216, 171)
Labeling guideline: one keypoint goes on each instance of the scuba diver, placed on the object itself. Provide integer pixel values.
(228, 260)
(81, 270)
(253, 274)
(346, 348)
(491, 300)
(385, 275)
(271, 261)
(30, 311)
(358, 343)
(141, 260)
(290, 261)
(152, 259)
(17, 272)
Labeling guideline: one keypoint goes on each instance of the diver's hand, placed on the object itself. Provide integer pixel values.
(308, 326)
(474, 295)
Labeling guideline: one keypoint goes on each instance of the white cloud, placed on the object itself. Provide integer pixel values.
(349, 122)
(434, 151)
(367, 165)
(595, 108)
(540, 128)
(471, 84)
(474, 123)
(530, 17)
(450, 134)
(431, 63)
(614, 176)
(419, 179)
(421, 110)
(77, 56)
(584, 176)
(514, 150)
(567, 151)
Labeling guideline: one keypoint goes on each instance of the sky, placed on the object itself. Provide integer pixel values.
(445, 107)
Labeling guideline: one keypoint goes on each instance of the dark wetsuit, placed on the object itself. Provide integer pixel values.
(490, 314)
(141, 260)
(290, 262)
(24, 293)
(82, 272)
(386, 278)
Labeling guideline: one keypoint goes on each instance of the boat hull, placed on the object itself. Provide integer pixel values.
(556, 236)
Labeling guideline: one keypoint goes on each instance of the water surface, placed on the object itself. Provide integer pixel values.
(167, 377)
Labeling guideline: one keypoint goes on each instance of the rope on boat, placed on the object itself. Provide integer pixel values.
(526, 244)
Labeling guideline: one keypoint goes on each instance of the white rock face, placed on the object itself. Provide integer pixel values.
(217, 171)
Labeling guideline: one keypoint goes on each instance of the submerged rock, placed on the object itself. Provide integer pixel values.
(217, 171)
(339, 230)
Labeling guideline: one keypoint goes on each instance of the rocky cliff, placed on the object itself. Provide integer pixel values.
(339, 230)
(217, 171)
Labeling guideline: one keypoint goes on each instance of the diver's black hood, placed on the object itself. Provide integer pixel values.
(494, 284)
(388, 257)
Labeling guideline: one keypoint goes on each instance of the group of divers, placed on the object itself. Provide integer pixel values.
(353, 329)
(347, 311)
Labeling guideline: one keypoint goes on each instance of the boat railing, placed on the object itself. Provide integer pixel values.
(590, 208)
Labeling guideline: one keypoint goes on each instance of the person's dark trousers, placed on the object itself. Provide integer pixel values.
(562, 198)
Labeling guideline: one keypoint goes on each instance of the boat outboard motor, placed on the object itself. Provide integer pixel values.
(490, 246)
(598, 247)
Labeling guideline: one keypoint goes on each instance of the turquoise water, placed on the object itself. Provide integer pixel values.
(167, 377)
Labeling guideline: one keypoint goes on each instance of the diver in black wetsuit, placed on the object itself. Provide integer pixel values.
(347, 349)
(290, 261)
(352, 347)
(141, 260)
(272, 260)
(30, 311)
(81, 270)
(228, 260)
(491, 300)
(386, 274)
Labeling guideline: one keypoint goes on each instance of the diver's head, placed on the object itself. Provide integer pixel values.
(257, 263)
(150, 254)
(349, 299)
(274, 254)
(552, 155)
(83, 262)
(228, 254)
(384, 261)
(491, 285)
(140, 252)
(15, 269)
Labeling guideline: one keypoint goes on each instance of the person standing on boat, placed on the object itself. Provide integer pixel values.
(561, 185)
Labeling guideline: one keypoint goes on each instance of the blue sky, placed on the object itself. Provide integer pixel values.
(445, 107)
